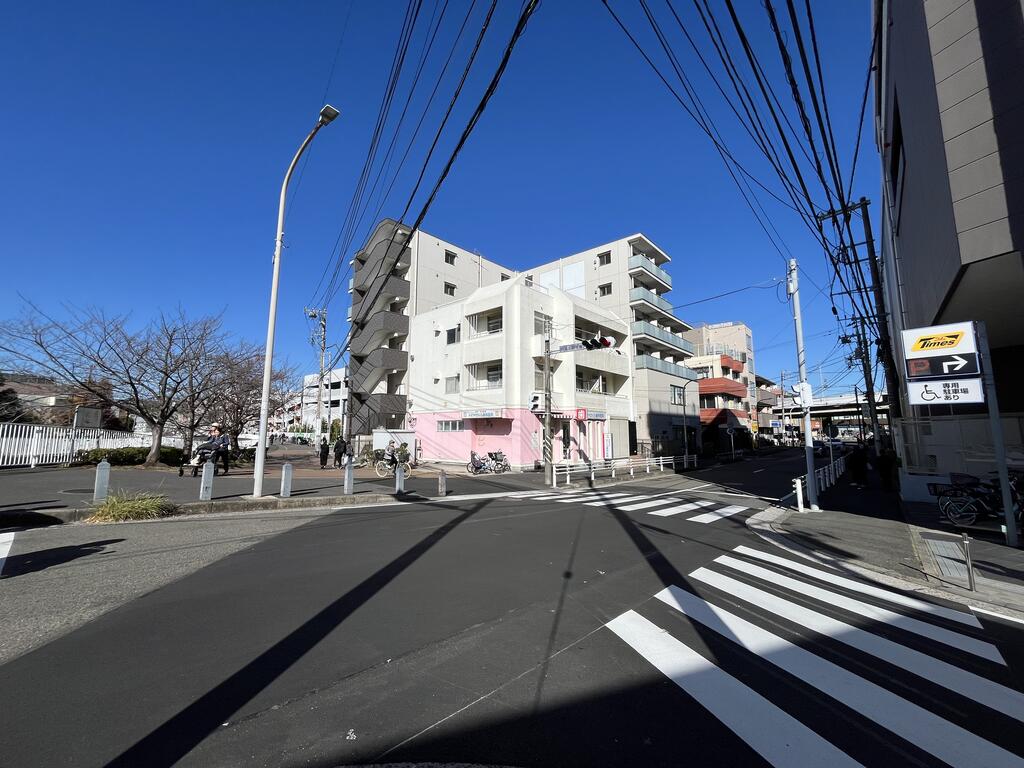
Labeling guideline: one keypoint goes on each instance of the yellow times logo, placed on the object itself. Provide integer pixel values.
(937, 341)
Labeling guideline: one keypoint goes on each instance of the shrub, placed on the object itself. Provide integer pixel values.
(126, 457)
(246, 455)
(121, 507)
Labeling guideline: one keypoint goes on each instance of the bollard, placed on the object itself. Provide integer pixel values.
(968, 563)
(286, 481)
(613, 470)
(591, 473)
(349, 479)
(206, 487)
(35, 448)
(799, 488)
(554, 476)
(648, 465)
(442, 483)
(631, 468)
(661, 464)
(399, 479)
(99, 493)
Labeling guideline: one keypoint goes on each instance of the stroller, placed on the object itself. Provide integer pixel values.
(200, 455)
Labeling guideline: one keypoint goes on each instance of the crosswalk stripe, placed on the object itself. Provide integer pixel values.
(883, 615)
(616, 502)
(966, 683)
(716, 514)
(669, 511)
(590, 497)
(648, 504)
(937, 736)
(6, 540)
(774, 734)
(867, 589)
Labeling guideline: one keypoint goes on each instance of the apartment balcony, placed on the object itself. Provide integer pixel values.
(394, 255)
(767, 399)
(604, 360)
(367, 373)
(647, 270)
(651, 363)
(648, 301)
(382, 292)
(723, 416)
(723, 386)
(615, 406)
(733, 363)
(653, 334)
(378, 329)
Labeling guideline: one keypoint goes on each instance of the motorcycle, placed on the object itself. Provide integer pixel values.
(495, 462)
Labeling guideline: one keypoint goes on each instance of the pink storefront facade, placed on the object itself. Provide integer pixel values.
(516, 432)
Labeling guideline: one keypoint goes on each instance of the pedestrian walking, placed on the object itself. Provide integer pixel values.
(340, 449)
(858, 466)
(221, 446)
(325, 451)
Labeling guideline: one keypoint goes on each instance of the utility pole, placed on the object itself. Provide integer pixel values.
(804, 387)
(549, 466)
(321, 315)
(860, 413)
(782, 403)
(869, 385)
(892, 382)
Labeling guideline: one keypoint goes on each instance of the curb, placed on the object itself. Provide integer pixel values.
(763, 525)
(192, 508)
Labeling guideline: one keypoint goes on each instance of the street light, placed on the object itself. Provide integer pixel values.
(327, 114)
(686, 440)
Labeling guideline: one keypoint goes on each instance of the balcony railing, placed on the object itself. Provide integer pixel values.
(673, 369)
(474, 334)
(642, 262)
(484, 384)
(644, 328)
(642, 294)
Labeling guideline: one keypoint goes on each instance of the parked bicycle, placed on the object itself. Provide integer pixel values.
(968, 498)
(495, 462)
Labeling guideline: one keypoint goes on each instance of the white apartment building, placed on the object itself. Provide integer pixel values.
(332, 394)
(476, 377)
(724, 363)
(441, 332)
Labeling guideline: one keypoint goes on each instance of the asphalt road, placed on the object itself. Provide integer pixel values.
(639, 625)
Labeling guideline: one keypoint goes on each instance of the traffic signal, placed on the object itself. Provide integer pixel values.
(599, 342)
(535, 402)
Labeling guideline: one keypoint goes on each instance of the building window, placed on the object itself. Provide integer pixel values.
(539, 322)
(538, 376)
(604, 290)
(504, 277)
(494, 375)
(454, 334)
(604, 259)
(678, 395)
(449, 258)
(449, 289)
(494, 323)
(451, 385)
(452, 425)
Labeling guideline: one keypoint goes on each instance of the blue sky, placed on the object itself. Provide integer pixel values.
(144, 144)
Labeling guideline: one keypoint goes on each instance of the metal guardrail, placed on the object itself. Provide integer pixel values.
(615, 467)
(30, 445)
(826, 477)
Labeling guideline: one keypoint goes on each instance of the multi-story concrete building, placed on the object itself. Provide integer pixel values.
(389, 285)
(476, 377)
(627, 278)
(724, 364)
(949, 113)
(431, 295)
(332, 394)
(768, 395)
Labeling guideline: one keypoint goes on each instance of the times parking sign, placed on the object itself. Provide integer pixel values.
(942, 365)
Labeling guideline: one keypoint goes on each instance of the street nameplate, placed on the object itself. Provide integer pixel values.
(570, 348)
(963, 364)
(945, 392)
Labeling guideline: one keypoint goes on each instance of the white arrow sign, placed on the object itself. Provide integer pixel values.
(953, 365)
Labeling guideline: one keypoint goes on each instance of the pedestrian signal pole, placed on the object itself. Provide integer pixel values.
(804, 386)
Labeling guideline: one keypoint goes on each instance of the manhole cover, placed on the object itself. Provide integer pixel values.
(78, 490)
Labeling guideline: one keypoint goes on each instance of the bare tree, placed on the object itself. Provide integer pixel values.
(236, 404)
(145, 372)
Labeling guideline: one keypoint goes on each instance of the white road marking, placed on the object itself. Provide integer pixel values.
(858, 586)
(697, 487)
(669, 511)
(616, 502)
(980, 689)
(1002, 616)
(6, 540)
(590, 497)
(937, 736)
(759, 470)
(774, 734)
(716, 514)
(648, 504)
(883, 615)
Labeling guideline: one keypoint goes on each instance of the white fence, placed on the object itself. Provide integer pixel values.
(30, 445)
(826, 477)
(621, 467)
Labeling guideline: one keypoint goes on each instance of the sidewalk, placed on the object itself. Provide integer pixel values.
(875, 529)
(51, 495)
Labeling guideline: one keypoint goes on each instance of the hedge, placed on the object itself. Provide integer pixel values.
(123, 457)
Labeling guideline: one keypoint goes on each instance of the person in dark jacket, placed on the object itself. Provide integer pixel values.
(339, 451)
(221, 446)
(325, 451)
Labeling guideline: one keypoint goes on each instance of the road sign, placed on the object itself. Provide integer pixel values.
(963, 364)
(581, 414)
(776, 424)
(945, 391)
(939, 340)
(570, 347)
